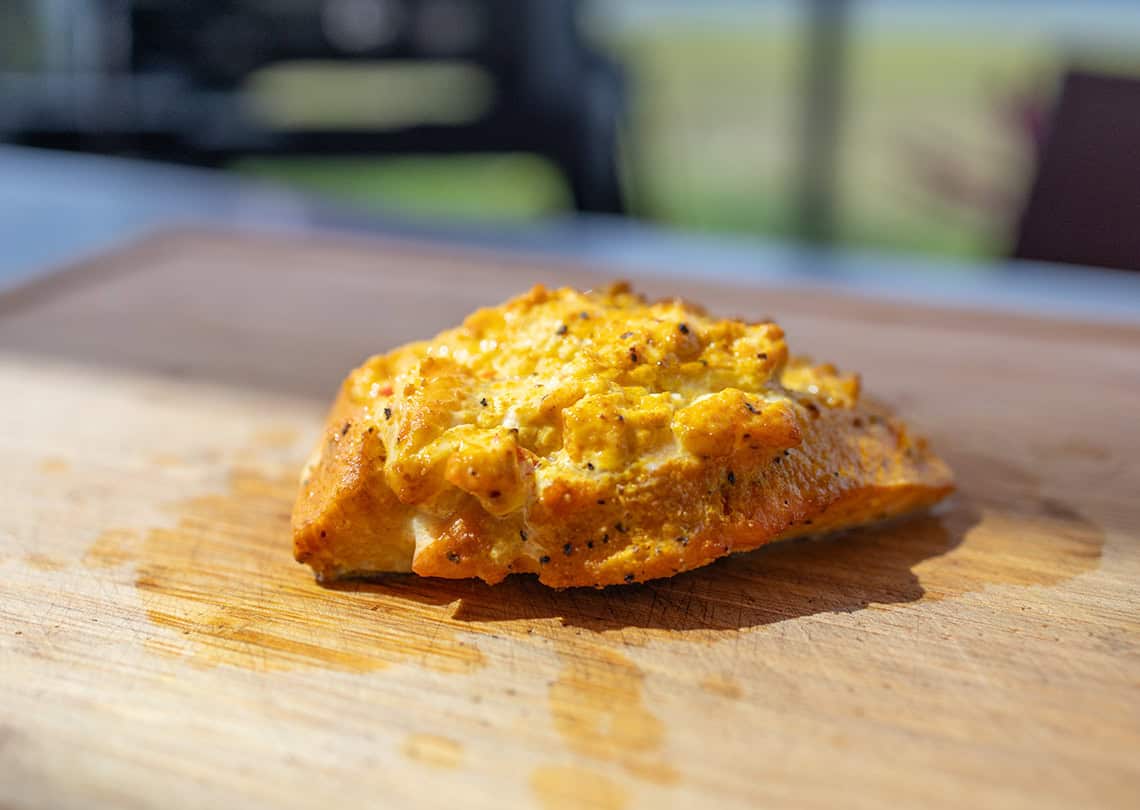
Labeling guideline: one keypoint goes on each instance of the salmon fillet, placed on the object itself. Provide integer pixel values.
(594, 438)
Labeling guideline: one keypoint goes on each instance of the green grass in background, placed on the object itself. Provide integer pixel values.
(470, 187)
(713, 136)
(716, 133)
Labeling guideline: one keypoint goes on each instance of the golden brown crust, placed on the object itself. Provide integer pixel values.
(594, 439)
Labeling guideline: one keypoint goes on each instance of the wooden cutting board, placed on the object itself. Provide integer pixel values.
(160, 648)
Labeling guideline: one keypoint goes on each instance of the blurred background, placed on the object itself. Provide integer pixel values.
(971, 129)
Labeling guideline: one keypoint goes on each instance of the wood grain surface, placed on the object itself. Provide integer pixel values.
(160, 648)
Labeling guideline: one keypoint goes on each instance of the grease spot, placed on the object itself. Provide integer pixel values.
(112, 548)
(598, 708)
(722, 686)
(224, 580)
(45, 562)
(1007, 533)
(432, 749)
(1003, 547)
(567, 788)
(54, 465)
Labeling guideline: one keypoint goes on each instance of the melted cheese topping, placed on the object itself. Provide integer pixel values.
(563, 383)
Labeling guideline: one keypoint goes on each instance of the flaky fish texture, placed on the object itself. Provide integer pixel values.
(593, 438)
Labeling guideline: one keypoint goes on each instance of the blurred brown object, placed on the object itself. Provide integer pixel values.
(1084, 204)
